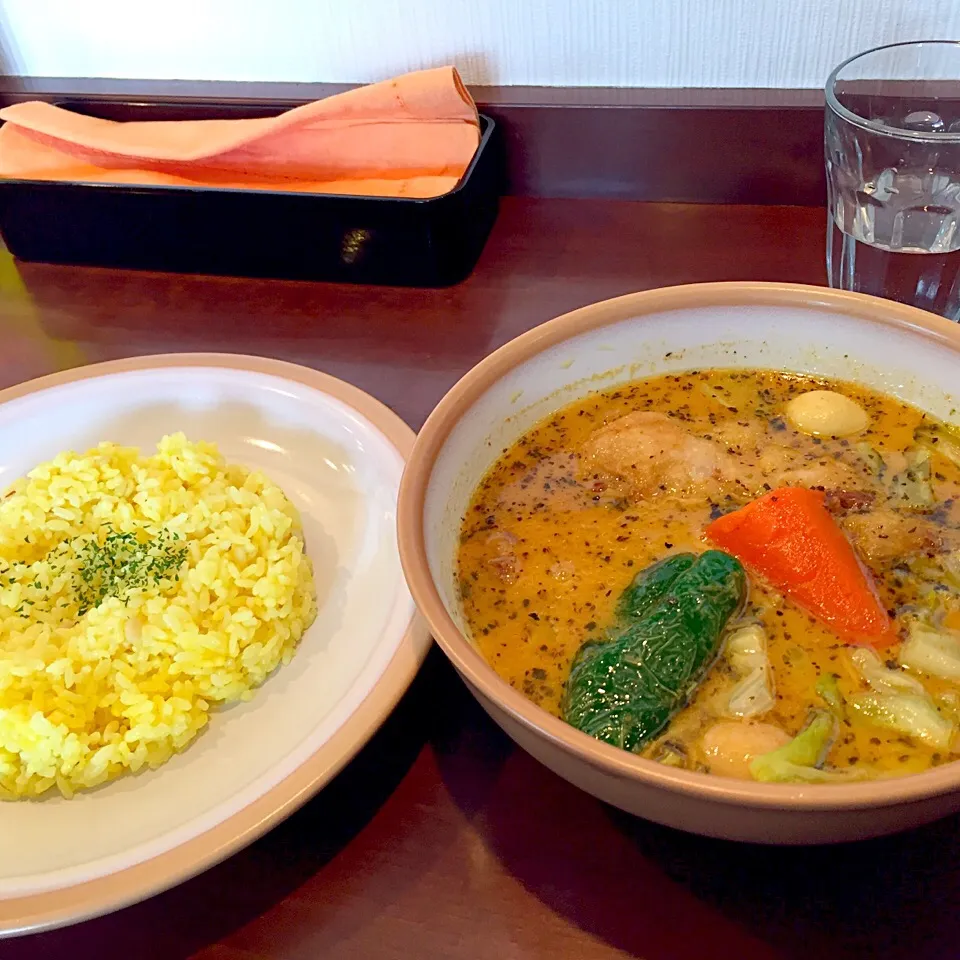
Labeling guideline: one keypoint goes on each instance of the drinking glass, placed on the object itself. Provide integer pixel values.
(893, 174)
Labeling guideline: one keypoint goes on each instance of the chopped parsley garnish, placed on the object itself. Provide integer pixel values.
(115, 566)
(123, 563)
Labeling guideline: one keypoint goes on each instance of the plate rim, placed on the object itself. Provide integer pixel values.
(50, 909)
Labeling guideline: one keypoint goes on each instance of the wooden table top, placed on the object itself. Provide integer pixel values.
(442, 839)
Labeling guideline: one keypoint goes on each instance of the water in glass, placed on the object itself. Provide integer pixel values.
(899, 237)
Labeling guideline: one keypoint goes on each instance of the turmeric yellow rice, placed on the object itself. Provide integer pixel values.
(136, 594)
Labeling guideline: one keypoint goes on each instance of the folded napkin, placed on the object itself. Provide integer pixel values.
(412, 136)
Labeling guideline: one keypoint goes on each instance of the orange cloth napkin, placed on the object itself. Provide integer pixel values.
(412, 136)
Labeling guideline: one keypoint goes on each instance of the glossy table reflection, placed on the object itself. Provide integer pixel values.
(442, 840)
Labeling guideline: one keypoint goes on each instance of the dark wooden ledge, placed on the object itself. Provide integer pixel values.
(696, 146)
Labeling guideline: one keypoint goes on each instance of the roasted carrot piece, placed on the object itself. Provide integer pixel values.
(790, 539)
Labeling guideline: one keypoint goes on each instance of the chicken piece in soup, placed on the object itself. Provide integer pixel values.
(745, 573)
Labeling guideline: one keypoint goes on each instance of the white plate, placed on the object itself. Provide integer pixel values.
(339, 456)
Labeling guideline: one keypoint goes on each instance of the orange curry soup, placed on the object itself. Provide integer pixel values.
(554, 534)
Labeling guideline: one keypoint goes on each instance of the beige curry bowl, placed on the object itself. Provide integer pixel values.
(893, 348)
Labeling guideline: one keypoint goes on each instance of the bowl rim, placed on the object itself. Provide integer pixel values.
(482, 678)
(62, 906)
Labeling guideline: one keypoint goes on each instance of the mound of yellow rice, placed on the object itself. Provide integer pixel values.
(136, 593)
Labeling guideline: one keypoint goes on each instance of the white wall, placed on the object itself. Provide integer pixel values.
(654, 43)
